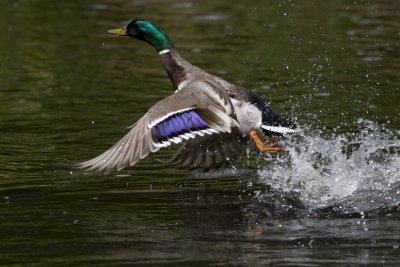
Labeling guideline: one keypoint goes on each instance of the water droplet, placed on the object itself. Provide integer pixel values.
(100, 7)
(183, 5)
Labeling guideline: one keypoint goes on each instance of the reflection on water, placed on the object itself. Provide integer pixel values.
(68, 90)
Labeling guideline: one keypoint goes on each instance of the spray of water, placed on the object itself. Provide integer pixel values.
(358, 171)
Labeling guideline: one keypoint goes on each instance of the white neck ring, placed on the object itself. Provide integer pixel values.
(163, 51)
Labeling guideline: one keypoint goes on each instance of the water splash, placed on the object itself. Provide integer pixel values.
(355, 172)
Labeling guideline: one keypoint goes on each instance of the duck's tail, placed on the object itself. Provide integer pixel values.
(272, 123)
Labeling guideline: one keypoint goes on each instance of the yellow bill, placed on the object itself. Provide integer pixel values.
(119, 31)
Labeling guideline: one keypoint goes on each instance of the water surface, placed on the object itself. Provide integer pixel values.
(68, 91)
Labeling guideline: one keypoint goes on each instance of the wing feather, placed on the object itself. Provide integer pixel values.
(210, 152)
(213, 107)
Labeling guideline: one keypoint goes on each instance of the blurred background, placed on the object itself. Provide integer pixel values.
(68, 90)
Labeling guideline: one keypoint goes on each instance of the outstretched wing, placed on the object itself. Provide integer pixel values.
(209, 152)
(184, 115)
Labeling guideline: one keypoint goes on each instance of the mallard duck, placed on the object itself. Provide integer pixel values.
(213, 116)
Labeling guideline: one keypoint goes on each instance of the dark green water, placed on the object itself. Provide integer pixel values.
(68, 91)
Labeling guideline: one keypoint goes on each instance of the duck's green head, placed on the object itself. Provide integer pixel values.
(146, 31)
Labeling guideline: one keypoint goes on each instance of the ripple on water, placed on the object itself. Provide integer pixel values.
(210, 17)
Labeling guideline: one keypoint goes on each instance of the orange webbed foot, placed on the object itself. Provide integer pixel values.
(264, 147)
